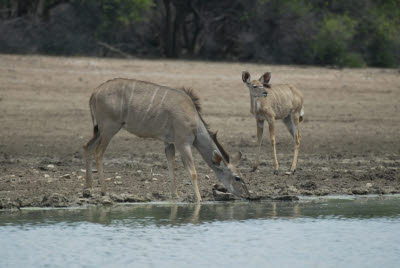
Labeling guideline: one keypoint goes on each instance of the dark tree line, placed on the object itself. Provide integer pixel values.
(324, 32)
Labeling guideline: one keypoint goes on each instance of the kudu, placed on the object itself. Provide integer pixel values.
(270, 102)
(152, 111)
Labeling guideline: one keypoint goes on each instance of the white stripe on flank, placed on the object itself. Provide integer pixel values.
(162, 100)
(151, 103)
(128, 104)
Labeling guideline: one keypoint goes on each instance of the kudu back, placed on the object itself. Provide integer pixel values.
(153, 111)
(271, 102)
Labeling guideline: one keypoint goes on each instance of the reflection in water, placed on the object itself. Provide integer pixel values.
(178, 214)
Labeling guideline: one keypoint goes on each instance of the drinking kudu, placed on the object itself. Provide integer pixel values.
(171, 115)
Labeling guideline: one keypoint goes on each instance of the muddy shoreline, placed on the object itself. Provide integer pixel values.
(350, 141)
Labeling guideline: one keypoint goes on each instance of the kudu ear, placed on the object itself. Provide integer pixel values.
(264, 79)
(246, 77)
(217, 158)
(235, 161)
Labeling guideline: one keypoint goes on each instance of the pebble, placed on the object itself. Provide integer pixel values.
(80, 177)
(139, 171)
(207, 177)
(46, 175)
(117, 182)
(118, 177)
(154, 179)
(50, 166)
(108, 179)
(66, 176)
(82, 170)
(369, 185)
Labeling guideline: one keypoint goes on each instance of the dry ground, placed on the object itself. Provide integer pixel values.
(350, 141)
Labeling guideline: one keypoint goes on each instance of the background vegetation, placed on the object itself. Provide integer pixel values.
(353, 33)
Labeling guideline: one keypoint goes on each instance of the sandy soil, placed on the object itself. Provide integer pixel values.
(350, 136)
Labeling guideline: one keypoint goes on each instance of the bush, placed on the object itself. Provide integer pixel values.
(332, 42)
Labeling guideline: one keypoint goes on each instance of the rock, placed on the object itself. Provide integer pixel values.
(133, 198)
(9, 204)
(286, 198)
(55, 200)
(106, 201)
(222, 196)
(66, 176)
(87, 193)
(139, 171)
(360, 191)
(80, 177)
(118, 177)
(368, 185)
(306, 192)
(388, 190)
(292, 189)
(219, 188)
(117, 197)
(50, 166)
(82, 170)
(207, 177)
(322, 191)
(117, 182)
(46, 175)
(108, 179)
(309, 185)
(154, 179)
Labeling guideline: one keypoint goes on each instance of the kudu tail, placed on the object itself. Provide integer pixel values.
(301, 114)
(89, 146)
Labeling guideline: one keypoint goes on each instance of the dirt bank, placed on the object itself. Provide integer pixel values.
(350, 136)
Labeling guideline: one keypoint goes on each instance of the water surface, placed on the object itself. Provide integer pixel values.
(330, 232)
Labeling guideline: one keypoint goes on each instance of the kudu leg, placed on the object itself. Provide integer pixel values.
(260, 129)
(187, 159)
(106, 135)
(88, 152)
(170, 154)
(271, 125)
(297, 138)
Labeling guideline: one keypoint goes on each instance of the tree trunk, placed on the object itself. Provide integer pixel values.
(40, 9)
(168, 38)
(15, 8)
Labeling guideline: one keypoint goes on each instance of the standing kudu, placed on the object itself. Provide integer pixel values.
(271, 102)
(171, 115)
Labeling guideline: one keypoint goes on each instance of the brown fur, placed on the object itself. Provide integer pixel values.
(282, 102)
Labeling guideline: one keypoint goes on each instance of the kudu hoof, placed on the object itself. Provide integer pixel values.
(290, 172)
(276, 172)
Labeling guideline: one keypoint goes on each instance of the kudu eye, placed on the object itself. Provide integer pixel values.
(255, 86)
(237, 178)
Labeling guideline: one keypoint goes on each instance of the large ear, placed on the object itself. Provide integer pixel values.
(264, 79)
(246, 77)
(217, 158)
(235, 161)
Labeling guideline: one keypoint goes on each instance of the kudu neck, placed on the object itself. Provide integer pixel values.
(206, 146)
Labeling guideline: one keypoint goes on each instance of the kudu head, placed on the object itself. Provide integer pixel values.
(257, 87)
(229, 174)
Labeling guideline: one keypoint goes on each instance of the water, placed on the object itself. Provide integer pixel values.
(310, 233)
